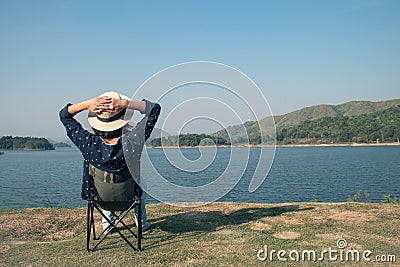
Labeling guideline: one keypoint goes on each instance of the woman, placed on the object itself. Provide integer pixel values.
(103, 151)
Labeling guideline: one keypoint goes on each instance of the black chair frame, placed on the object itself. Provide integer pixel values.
(119, 215)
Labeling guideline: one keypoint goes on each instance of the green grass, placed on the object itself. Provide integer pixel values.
(218, 234)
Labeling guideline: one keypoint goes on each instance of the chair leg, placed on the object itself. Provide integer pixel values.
(89, 224)
(92, 222)
(139, 226)
(118, 219)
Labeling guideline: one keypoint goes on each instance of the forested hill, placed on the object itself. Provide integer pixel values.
(28, 143)
(380, 126)
(348, 109)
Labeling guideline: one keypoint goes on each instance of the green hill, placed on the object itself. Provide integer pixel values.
(349, 109)
(355, 108)
(61, 144)
(379, 126)
(22, 143)
(308, 113)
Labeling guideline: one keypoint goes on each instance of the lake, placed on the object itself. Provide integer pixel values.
(332, 174)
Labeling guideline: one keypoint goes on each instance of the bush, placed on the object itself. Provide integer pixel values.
(360, 197)
(314, 199)
(390, 199)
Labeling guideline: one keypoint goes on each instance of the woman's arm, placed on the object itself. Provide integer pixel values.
(146, 125)
(96, 105)
(116, 105)
(105, 103)
(139, 105)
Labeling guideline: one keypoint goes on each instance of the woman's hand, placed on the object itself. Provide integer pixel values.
(102, 104)
(98, 104)
(116, 105)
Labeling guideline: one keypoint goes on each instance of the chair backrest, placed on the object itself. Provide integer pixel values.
(114, 191)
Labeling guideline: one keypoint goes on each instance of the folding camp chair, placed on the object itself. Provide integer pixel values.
(119, 209)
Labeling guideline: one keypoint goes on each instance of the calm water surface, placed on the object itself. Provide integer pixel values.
(33, 178)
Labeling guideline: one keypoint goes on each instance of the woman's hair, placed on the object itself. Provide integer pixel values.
(108, 135)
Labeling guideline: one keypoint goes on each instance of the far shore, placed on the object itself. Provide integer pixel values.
(25, 149)
(339, 145)
(291, 145)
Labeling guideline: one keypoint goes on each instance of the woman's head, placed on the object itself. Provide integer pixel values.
(108, 135)
(109, 123)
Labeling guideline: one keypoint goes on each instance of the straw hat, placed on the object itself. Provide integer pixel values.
(109, 121)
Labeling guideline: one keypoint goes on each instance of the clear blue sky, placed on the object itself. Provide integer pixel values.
(300, 53)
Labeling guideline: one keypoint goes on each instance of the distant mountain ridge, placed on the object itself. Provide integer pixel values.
(349, 109)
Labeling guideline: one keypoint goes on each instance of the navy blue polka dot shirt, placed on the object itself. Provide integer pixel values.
(104, 156)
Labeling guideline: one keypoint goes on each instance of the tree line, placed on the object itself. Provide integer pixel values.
(189, 140)
(10, 143)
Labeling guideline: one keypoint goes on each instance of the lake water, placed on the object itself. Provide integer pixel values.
(33, 178)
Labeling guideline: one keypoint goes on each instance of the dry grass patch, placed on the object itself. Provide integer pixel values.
(4, 248)
(284, 220)
(258, 226)
(41, 225)
(286, 235)
(353, 217)
(226, 232)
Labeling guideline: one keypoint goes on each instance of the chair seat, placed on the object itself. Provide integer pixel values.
(117, 205)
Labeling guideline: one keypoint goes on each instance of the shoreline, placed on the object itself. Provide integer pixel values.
(26, 149)
(341, 145)
(196, 204)
(289, 145)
